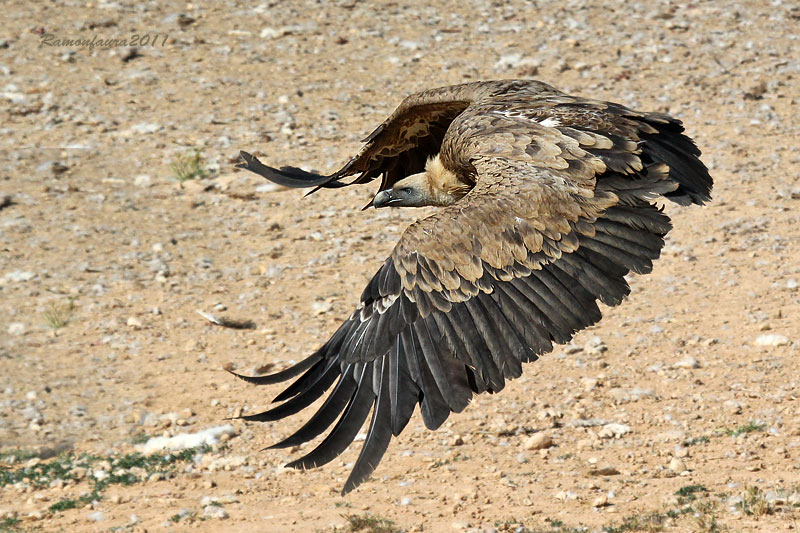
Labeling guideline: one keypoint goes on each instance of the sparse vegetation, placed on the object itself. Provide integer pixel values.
(650, 522)
(754, 503)
(189, 166)
(16, 455)
(688, 493)
(59, 315)
(125, 470)
(750, 427)
(370, 524)
(9, 525)
(696, 440)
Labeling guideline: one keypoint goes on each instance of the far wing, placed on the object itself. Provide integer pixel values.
(397, 148)
(401, 145)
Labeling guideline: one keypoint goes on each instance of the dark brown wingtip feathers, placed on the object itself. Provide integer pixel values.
(293, 177)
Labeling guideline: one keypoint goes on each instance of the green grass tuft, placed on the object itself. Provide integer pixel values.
(189, 167)
(62, 467)
(370, 524)
(59, 315)
(9, 525)
(750, 427)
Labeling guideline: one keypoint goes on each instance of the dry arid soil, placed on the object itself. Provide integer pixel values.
(679, 411)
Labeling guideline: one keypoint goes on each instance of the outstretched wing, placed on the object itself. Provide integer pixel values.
(402, 144)
(470, 293)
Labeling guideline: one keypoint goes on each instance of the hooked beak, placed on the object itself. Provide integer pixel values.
(383, 199)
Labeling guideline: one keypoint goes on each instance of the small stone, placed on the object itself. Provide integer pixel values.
(614, 431)
(457, 441)
(16, 328)
(215, 511)
(772, 340)
(405, 501)
(95, 517)
(687, 362)
(134, 322)
(605, 470)
(732, 406)
(566, 495)
(600, 501)
(677, 465)
(142, 180)
(589, 384)
(320, 308)
(538, 441)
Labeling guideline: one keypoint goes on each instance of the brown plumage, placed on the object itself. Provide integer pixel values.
(547, 203)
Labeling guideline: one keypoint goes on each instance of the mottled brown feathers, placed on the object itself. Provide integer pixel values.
(550, 206)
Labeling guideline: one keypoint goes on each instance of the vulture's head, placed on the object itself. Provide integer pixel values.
(437, 186)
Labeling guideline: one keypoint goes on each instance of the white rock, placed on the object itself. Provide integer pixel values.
(320, 308)
(538, 441)
(95, 517)
(677, 465)
(183, 441)
(215, 511)
(772, 339)
(142, 180)
(16, 328)
(732, 406)
(614, 431)
(18, 275)
(687, 362)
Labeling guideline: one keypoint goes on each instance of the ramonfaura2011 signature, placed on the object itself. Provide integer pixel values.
(147, 39)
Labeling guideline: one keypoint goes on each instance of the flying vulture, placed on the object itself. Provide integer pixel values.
(546, 202)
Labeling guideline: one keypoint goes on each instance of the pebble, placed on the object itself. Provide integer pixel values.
(614, 431)
(95, 517)
(732, 407)
(134, 322)
(772, 339)
(538, 441)
(405, 501)
(16, 328)
(600, 501)
(605, 470)
(677, 465)
(142, 180)
(215, 511)
(566, 495)
(687, 362)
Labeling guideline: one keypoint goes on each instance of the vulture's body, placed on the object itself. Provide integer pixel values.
(547, 202)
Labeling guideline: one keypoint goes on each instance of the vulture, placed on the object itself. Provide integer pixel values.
(547, 201)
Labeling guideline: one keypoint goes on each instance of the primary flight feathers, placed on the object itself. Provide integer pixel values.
(547, 202)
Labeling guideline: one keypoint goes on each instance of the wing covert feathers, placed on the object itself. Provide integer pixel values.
(561, 210)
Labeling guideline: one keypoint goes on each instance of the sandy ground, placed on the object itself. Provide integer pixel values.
(105, 257)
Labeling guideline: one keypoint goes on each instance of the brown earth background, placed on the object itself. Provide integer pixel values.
(105, 257)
